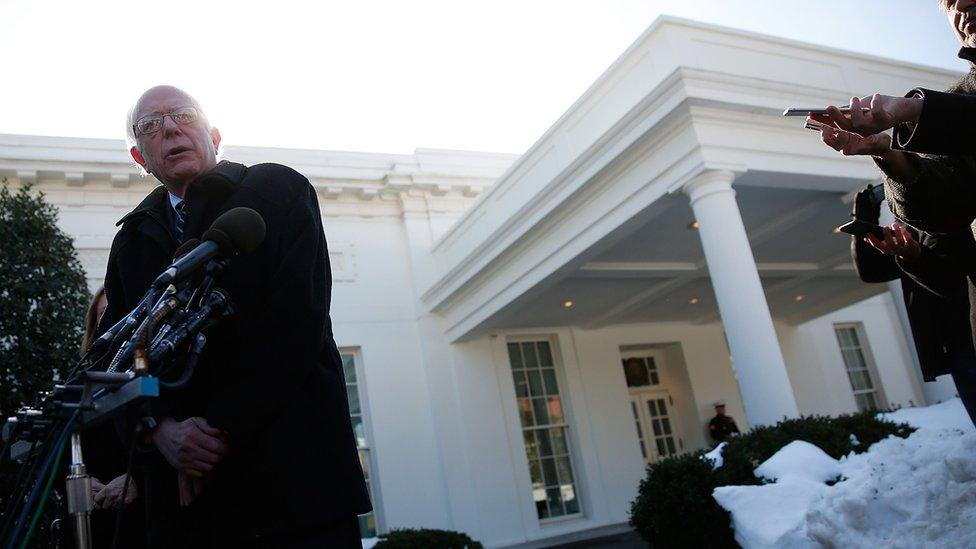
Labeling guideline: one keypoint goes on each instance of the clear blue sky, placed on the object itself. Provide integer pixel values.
(381, 76)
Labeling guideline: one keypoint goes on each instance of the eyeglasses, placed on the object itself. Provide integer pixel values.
(151, 123)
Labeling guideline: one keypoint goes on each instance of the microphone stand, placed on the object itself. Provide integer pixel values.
(93, 397)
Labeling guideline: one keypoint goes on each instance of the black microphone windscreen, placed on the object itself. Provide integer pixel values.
(186, 248)
(239, 230)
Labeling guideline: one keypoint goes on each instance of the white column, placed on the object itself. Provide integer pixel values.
(758, 361)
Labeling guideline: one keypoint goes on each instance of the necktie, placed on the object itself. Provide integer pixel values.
(180, 219)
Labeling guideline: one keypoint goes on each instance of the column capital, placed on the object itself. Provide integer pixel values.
(709, 182)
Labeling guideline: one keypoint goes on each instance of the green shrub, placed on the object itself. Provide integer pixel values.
(674, 505)
(424, 538)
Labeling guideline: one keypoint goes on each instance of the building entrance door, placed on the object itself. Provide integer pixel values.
(654, 415)
(651, 405)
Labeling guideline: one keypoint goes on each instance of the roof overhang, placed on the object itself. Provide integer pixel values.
(684, 98)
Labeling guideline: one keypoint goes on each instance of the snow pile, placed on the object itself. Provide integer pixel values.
(715, 456)
(914, 492)
(800, 459)
(950, 414)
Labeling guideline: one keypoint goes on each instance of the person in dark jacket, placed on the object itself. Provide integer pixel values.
(258, 451)
(722, 426)
(937, 303)
(935, 194)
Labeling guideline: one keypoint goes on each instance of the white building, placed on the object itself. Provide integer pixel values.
(670, 221)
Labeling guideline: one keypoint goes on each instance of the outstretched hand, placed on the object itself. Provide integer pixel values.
(882, 113)
(897, 242)
(853, 144)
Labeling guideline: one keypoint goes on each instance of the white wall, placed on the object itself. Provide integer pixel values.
(817, 370)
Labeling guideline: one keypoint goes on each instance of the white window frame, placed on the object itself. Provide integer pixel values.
(373, 483)
(572, 439)
(870, 367)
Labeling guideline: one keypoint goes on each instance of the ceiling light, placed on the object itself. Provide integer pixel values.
(799, 297)
(693, 225)
(693, 301)
(568, 304)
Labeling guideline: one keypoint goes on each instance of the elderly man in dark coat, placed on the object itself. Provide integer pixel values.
(259, 450)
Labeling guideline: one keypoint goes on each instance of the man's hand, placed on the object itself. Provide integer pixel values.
(897, 242)
(191, 446)
(107, 496)
(190, 488)
(884, 112)
(851, 144)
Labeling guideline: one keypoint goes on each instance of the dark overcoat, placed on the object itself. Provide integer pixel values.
(270, 376)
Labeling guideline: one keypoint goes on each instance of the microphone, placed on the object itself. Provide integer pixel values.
(237, 231)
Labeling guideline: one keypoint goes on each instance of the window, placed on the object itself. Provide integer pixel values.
(641, 371)
(866, 392)
(544, 429)
(367, 522)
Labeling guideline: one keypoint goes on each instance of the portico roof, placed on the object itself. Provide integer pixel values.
(592, 212)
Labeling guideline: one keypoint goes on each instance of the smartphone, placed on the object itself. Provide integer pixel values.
(806, 111)
(861, 229)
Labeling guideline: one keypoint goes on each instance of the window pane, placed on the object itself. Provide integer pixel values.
(555, 410)
(525, 411)
(559, 445)
(535, 382)
(555, 502)
(565, 470)
(358, 430)
(349, 368)
(535, 473)
(521, 385)
(514, 355)
(545, 445)
(635, 372)
(529, 354)
(549, 472)
(545, 354)
(667, 425)
(846, 337)
(539, 495)
(654, 379)
(353, 399)
(367, 525)
(660, 447)
(671, 450)
(656, 426)
(570, 503)
(541, 415)
(652, 408)
(531, 449)
(549, 376)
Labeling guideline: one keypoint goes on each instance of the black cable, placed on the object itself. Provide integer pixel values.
(125, 489)
(31, 463)
(20, 488)
(38, 484)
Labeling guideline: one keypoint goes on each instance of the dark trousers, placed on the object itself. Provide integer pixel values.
(963, 370)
